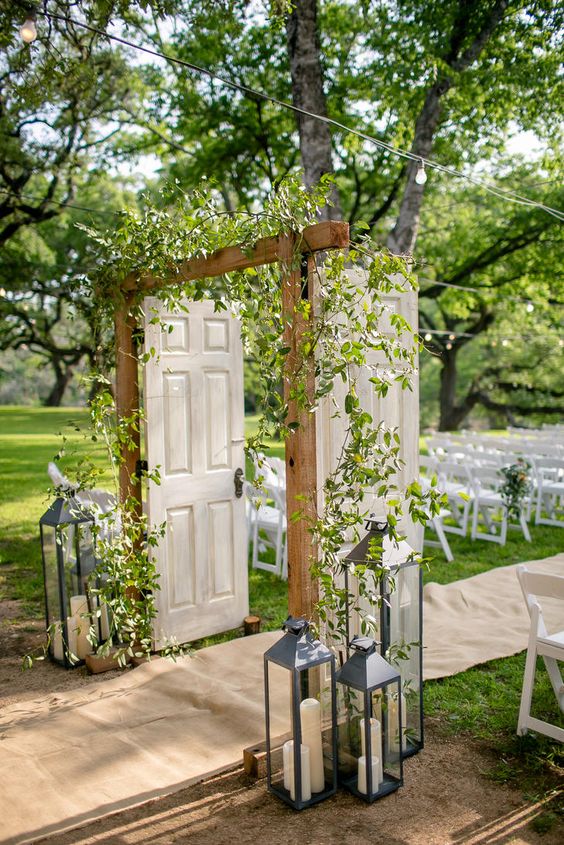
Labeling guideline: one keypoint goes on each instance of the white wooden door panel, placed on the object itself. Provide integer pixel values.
(398, 409)
(195, 435)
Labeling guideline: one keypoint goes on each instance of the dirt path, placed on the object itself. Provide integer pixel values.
(447, 798)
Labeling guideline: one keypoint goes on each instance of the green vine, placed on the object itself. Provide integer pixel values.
(340, 337)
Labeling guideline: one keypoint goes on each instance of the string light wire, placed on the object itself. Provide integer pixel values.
(61, 203)
(501, 193)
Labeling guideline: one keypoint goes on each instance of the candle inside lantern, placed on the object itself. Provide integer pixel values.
(57, 642)
(72, 638)
(104, 622)
(375, 748)
(393, 723)
(78, 605)
(288, 761)
(362, 785)
(310, 714)
(78, 628)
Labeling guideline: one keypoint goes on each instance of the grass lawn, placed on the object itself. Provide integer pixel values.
(481, 702)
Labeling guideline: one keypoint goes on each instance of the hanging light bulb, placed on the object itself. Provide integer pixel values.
(449, 346)
(28, 32)
(452, 337)
(428, 337)
(421, 175)
(505, 342)
(530, 307)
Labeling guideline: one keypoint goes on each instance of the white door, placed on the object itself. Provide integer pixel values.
(195, 435)
(398, 409)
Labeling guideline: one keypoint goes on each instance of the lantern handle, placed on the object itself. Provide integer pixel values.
(295, 625)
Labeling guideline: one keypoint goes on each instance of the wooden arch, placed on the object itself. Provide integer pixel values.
(301, 452)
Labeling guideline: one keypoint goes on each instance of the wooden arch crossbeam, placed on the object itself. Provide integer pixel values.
(301, 453)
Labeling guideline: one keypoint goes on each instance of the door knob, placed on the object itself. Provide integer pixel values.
(238, 481)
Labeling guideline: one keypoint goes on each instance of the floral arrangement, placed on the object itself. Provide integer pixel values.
(516, 486)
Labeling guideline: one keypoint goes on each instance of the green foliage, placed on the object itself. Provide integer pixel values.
(483, 702)
(516, 487)
(333, 347)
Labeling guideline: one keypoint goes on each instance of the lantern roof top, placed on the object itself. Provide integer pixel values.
(394, 552)
(297, 649)
(65, 512)
(366, 669)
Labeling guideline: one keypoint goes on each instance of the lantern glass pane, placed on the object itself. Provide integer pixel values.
(85, 551)
(405, 651)
(279, 720)
(49, 538)
(351, 714)
(388, 705)
(71, 559)
(316, 724)
(300, 705)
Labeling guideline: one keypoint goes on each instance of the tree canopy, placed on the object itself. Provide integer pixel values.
(450, 80)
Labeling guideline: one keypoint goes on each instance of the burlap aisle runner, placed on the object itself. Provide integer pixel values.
(73, 757)
(481, 618)
(66, 759)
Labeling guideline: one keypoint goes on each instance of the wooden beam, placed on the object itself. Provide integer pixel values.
(301, 462)
(331, 234)
(127, 401)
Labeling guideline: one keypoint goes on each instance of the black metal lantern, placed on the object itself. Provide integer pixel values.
(68, 562)
(370, 723)
(300, 707)
(399, 623)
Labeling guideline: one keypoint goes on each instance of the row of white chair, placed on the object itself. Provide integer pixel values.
(474, 491)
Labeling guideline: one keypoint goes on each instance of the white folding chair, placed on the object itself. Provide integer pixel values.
(549, 474)
(436, 523)
(455, 480)
(549, 646)
(268, 530)
(487, 503)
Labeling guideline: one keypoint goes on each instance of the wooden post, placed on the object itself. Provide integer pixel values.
(301, 461)
(127, 401)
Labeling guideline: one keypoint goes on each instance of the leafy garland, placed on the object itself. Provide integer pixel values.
(339, 337)
(516, 486)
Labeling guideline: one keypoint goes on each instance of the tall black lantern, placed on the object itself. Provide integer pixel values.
(370, 723)
(399, 624)
(300, 706)
(68, 562)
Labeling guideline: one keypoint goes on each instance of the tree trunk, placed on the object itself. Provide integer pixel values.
(63, 375)
(458, 58)
(401, 239)
(308, 94)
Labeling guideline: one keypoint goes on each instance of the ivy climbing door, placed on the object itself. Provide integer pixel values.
(195, 437)
(398, 410)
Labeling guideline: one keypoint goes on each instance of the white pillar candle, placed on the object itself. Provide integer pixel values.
(393, 723)
(288, 761)
(79, 626)
(78, 605)
(362, 785)
(105, 622)
(375, 747)
(57, 642)
(310, 715)
(72, 638)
